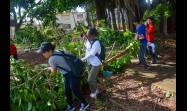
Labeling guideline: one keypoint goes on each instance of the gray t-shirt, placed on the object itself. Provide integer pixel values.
(56, 60)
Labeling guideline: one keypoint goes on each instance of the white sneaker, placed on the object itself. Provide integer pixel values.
(84, 106)
(97, 91)
(94, 95)
(70, 108)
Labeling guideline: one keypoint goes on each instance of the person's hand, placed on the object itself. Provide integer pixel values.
(141, 37)
(48, 69)
(83, 59)
(136, 37)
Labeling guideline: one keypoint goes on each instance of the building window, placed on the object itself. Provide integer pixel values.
(80, 16)
(66, 26)
(65, 18)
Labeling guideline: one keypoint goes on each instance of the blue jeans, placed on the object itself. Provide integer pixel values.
(141, 54)
(72, 84)
(152, 51)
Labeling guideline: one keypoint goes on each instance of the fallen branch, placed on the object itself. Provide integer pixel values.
(116, 57)
(119, 55)
(100, 109)
(111, 50)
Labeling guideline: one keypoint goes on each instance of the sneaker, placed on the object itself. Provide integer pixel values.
(146, 67)
(139, 63)
(97, 91)
(153, 62)
(84, 106)
(70, 108)
(94, 95)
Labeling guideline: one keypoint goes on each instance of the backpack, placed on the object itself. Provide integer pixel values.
(75, 64)
(101, 56)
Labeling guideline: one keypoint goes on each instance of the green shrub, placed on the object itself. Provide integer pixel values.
(33, 89)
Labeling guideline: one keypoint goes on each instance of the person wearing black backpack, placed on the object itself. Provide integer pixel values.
(95, 54)
(63, 62)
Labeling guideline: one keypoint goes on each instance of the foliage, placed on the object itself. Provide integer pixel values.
(109, 36)
(81, 28)
(121, 63)
(33, 36)
(42, 10)
(160, 9)
(29, 35)
(76, 48)
(33, 89)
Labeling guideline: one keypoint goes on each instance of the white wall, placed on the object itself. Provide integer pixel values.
(69, 19)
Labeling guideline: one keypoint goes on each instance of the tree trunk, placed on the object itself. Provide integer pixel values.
(108, 18)
(137, 13)
(149, 5)
(88, 18)
(100, 9)
(92, 21)
(114, 26)
(122, 19)
(165, 26)
(130, 22)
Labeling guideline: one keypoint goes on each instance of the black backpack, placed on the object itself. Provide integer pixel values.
(101, 56)
(75, 64)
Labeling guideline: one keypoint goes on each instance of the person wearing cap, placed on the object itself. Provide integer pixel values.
(151, 38)
(71, 83)
(93, 61)
(141, 37)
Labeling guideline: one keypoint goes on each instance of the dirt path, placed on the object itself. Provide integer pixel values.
(137, 90)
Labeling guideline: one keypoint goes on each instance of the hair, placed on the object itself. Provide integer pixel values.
(152, 18)
(93, 32)
(50, 46)
(53, 47)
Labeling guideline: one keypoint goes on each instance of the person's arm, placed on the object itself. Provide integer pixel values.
(136, 36)
(52, 63)
(93, 51)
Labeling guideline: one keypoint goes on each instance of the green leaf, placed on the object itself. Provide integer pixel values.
(29, 106)
(48, 103)
(168, 94)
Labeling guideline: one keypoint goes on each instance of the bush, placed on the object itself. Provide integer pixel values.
(29, 36)
(109, 36)
(164, 9)
(32, 89)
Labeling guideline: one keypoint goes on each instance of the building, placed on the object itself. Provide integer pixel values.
(12, 27)
(68, 21)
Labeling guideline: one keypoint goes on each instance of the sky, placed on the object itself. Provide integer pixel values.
(150, 1)
(79, 9)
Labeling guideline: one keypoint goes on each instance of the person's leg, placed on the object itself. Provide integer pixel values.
(156, 52)
(92, 78)
(153, 53)
(67, 90)
(75, 86)
(142, 55)
(139, 55)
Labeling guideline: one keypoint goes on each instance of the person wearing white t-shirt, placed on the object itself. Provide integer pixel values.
(92, 49)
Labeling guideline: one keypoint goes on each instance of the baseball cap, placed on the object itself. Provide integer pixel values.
(45, 46)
